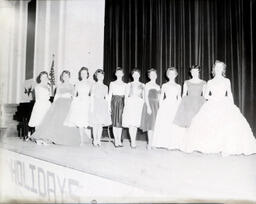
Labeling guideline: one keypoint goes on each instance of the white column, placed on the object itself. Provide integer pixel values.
(61, 35)
(47, 35)
(10, 57)
(14, 54)
(15, 59)
(6, 23)
(19, 50)
(22, 39)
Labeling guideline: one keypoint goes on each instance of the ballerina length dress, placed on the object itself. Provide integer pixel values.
(165, 134)
(78, 115)
(52, 128)
(41, 106)
(190, 104)
(100, 114)
(148, 120)
(133, 106)
(220, 127)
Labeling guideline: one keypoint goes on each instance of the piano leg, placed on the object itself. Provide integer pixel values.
(18, 130)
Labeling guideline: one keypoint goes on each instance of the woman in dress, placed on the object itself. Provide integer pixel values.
(100, 114)
(52, 129)
(42, 104)
(78, 115)
(219, 126)
(169, 101)
(192, 99)
(133, 106)
(151, 105)
(117, 90)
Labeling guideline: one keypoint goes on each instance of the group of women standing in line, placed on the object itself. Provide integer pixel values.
(204, 119)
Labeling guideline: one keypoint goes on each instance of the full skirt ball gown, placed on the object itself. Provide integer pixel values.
(52, 129)
(190, 104)
(189, 107)
(219, 127)
(166, 134)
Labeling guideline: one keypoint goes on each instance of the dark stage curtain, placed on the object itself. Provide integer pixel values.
(164, 33)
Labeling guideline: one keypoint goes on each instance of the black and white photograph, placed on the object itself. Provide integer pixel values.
(128, 101)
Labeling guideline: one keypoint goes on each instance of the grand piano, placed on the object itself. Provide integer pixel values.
(22, 115)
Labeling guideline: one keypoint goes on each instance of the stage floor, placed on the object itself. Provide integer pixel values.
(174, 175)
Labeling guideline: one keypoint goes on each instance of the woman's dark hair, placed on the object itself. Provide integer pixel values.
(80, 71)
(95, 75)
(195, 67)
(38, 78)
(224, 68)
(171, 69)
(136, 70)
(62, 74)
(151, 70)
(119, 69)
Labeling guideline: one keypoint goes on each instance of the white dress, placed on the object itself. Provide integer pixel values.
(41, 106)
(219, 126)
(164, 135)
(78, 115)
(133, 106)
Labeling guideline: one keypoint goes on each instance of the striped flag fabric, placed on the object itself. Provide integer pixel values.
(52, 76)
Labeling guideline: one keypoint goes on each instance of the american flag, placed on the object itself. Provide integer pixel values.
(52, 76)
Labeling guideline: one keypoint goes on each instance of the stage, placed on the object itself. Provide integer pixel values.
(31, 172)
